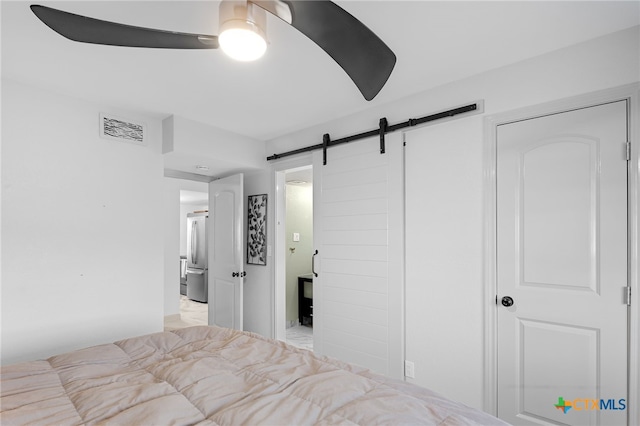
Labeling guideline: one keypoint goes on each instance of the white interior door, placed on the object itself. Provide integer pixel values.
(562, 259)
(225, 252)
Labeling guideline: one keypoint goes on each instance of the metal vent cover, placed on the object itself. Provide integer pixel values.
(122, 129)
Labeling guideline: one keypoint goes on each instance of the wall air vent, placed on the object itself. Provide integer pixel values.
(123, 130)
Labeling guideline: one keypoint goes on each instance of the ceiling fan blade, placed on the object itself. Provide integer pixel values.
(361, 53)
(90, 30)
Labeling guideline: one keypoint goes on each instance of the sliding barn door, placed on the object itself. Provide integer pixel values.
(357, 293)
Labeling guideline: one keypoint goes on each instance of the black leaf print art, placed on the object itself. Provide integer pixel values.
(257, 235)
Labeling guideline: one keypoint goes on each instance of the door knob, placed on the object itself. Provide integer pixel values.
(507, 301)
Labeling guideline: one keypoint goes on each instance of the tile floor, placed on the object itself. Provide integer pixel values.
(191, 313)
(300, 336)
(196, 313)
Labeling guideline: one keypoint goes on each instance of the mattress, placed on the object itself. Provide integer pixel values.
(208, 375)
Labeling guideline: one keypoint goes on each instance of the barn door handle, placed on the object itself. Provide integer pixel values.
(313, 263)
(507, 301)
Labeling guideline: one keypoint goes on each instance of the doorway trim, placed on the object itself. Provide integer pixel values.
(279, 169)
(630, 93)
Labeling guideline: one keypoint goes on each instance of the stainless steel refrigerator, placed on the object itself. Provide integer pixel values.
(197, 271)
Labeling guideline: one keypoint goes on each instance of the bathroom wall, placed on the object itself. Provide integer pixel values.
(299, 199)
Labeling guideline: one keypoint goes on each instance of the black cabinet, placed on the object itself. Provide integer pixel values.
(305, 299)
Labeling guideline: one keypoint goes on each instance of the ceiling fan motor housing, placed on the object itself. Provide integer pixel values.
(242, 30)
(242, 14)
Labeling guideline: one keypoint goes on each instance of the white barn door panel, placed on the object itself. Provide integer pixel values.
(357, 313)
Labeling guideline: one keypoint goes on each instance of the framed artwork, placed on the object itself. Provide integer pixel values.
(257, 230)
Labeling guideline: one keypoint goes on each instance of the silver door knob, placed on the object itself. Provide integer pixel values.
(507, 301)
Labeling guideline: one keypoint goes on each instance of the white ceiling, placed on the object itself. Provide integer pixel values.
(295, 85)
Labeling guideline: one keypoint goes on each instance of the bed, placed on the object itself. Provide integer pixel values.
(208, 375)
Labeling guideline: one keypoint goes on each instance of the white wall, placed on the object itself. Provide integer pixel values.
(233, 153)
(444, 280)
(598, 64)
(81, 253)
(258, 284)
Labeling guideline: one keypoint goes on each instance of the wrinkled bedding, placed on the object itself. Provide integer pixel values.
(213, 376)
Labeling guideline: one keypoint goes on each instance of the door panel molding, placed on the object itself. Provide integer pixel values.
(570, 342)
(629, 93)
(531, 269)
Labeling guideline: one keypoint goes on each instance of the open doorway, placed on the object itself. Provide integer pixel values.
(295, 281)
(193, 302)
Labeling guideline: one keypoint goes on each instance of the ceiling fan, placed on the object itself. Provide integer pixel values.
(362, 55)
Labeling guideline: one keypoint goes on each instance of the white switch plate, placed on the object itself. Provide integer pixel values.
(296, 236)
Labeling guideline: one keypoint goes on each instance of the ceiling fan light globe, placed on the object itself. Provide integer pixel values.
(242, 41)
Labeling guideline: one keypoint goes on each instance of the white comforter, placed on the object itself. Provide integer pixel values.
(213, 376)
